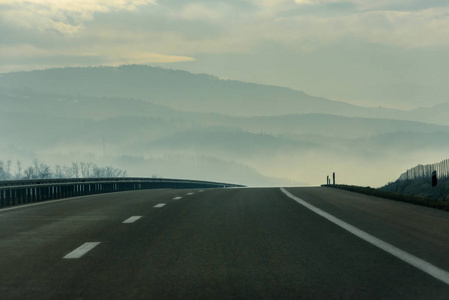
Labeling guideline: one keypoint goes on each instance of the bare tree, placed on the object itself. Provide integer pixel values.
(75, 169)
(68, 172)
(2, 170)
(108, 172)
(5, 170)
(41, 170)
(29, 173)
(19, 170)
(86, 169)
(59, 172)
(97, 172)
(8, 169)
(36, 166)
(44, 171)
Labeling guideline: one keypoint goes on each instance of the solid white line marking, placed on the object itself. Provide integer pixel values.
(424, 266)
(80, 251)
(159, 205)
(132, 219)
(177, 198)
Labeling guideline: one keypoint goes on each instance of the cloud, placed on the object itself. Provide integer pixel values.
(65, 16)
(215, 12)
(143, 31)
(27, 57)
(143, 57)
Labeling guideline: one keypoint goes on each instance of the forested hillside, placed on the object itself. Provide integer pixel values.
(168, 123)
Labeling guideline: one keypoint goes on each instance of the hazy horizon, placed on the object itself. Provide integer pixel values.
(264, 92)
(388, 53)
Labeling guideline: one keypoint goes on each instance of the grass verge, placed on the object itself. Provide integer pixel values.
(443, 205)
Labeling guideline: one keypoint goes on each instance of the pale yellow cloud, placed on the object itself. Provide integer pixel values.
(66, 16)
(116, 54)
(142, 57)
(78, 5)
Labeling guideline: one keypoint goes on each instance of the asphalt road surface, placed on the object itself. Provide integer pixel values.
(224, 244)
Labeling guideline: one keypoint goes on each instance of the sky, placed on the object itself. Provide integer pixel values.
(392, 53)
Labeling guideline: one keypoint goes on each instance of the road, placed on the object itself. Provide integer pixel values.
(220, 244)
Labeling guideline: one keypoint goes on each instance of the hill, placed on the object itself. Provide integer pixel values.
(417, 182)
(180, 90)
(151, 118)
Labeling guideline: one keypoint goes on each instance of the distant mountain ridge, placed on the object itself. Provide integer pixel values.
(175, 123)
(96, 108)
(181, 90)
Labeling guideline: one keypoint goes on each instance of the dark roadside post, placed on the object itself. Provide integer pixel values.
(434, 184)
(334, 178)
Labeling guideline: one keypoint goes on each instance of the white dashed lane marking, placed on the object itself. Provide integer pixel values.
(81, 250)
(177, 198)
(132, 219)
(159, 205)
(189, 194)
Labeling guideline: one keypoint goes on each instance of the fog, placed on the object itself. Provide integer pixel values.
(168, 123)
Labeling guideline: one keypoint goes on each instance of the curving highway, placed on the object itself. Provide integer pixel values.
(244, 243)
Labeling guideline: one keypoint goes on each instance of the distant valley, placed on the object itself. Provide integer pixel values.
(176, 124)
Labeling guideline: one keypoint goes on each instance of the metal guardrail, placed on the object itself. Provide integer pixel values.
(28, 191)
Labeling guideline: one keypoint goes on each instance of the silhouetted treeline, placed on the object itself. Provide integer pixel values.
(39, 170)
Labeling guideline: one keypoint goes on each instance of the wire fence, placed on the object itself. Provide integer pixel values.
(425, 171)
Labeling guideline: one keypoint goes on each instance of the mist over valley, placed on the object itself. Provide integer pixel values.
(168, 123)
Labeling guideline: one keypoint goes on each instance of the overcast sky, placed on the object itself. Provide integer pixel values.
(387, 52)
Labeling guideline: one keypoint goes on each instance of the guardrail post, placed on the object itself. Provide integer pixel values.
(19, 196)
(13, 197)
(8, 197)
